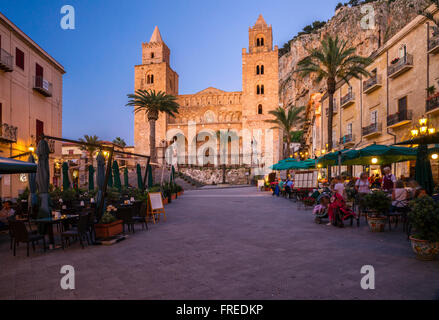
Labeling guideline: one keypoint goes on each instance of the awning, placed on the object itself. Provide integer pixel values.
(9, 166)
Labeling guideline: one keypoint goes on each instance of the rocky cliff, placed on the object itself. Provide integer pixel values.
(390, 17)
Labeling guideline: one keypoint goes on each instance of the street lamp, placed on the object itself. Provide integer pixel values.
(374, 161)
(423, 128)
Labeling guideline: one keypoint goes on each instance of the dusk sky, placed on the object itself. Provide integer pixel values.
(205, 39)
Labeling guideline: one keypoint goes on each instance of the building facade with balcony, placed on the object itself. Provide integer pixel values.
(383, 108)
(30, 102)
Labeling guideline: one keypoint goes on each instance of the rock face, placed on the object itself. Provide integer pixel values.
(390, 17)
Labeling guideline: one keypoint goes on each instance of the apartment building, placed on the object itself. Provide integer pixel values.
(30, 102)
(384, 108)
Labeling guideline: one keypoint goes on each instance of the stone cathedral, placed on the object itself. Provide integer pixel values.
(213, 109)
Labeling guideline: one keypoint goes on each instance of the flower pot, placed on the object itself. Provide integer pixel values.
(174, 196)
(424, 249)
(377, 224)
(165, 201)
(179, 194)
(267, 189)
(104, 231)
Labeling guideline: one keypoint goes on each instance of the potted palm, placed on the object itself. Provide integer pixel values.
(108, 226)
(424, 218)
(378, 204)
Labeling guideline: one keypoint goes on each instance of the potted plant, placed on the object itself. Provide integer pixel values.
(309, 201)
(394, 61)
(424, 218)
(179, 190)
(108, 226)
(378, 204)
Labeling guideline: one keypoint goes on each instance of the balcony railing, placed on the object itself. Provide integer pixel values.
(404, 64)
(433, 46)
(8, 133)
(6, 61)
(349, 138)
(347, 100)
(372, 84)
(432, 104)
(374, 128)
(399, 118)
(42, 86)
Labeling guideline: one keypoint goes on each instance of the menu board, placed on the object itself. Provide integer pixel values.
(155, 200)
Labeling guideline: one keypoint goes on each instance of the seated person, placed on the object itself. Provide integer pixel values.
(338, 206)
(5, 213)
(400, 196)
(321, 210)
(420, 192)
(289, 186)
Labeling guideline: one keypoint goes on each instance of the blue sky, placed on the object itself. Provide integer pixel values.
(205, 38)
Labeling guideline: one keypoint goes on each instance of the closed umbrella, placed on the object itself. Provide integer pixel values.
(33, 198)
(139, 177)
(43, 178)
(423, 174)
(110, 179)
(172, 176)
(116, 174)
(65, 176)
(125, 177)
(100, 179)
(150, 178)
(91, 176)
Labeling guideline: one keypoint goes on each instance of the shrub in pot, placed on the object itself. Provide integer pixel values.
(378, 204)
(424, 218)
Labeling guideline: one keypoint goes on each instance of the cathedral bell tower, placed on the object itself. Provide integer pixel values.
(154, 73)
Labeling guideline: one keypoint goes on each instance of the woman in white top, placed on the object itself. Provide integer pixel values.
(362, 184)
(399, 196)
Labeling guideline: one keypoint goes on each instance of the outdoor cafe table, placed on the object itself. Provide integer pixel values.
(49, 222)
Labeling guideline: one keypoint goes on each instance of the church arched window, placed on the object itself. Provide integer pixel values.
(260, 109)
(258, 89)
(257, 70)
(150, 79)
(262, 69)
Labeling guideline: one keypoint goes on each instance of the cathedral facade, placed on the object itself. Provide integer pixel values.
(207, 116)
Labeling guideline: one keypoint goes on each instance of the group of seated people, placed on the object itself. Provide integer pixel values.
(334, 198)
(284, 186)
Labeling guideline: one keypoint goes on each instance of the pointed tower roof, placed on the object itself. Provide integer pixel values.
(260, 22)
(156, 36)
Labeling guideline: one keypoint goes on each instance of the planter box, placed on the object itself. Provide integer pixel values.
(105, 231)
(165, 201)
(377, 224)
(425, 250)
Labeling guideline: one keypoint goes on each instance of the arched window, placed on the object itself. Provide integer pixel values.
(258, 89)
(262, 42)
(262, 89)
(260, 109)
(262, 69)
(257, 70)
(258, 43)
(150, 79)
(152, 55)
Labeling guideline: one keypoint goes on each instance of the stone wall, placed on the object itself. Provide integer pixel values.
(211, 176)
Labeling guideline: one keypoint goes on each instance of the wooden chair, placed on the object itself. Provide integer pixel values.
(141, 216)
(21, 234)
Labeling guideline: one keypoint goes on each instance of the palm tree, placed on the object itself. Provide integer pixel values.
(287, 119)
(120, 142)
(334, 61)
(90, 149)
(152, 103)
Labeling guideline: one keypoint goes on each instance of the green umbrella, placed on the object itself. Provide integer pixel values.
(9, 166)
(116, 174)
(423, 173)
(383, 154)
(91, 180)
(280, 165)
(150, 178)
(139, 177)
(125, 177)
(172, 176)
(65, 176)
(110, 179)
